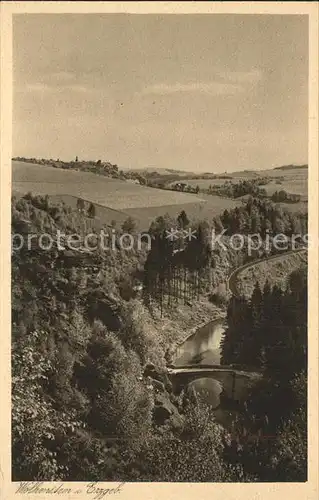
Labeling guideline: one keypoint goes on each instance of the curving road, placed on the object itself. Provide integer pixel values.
(232, 286)
(208, 370)
(232, 279)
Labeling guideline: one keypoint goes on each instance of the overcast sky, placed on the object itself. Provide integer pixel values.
(193, 92)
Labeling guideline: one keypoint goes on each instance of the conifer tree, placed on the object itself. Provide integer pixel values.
(183, 220)
(91, 210)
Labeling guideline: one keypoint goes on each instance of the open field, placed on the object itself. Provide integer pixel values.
(161, 171)
(292, 186)
(206, 210)
(114, 200)
(113, 193)
(294, 181)
(289, 173)
(143, 217)
(202, 183)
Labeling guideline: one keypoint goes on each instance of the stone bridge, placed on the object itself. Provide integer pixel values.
(235, 383)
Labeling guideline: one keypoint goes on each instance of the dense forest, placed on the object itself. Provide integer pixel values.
(91, 397)
(263, 217)
(270, 328)
(284, 197)
(174, 269)
(270, 332)
(232, 189)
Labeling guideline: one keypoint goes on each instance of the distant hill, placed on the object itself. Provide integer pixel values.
(153, 171)
(289, 167)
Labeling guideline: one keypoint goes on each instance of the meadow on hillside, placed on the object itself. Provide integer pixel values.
(113, 193)
(114, 200)
(202, 183)
(294, 181)
(206, 210)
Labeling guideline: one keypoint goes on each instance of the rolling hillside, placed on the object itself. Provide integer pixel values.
(114, 199)
(108, 192)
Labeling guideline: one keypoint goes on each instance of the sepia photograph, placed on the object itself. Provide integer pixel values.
(159, 249)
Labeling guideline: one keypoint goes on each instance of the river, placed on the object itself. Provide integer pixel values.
(223, 394)
(203, 348)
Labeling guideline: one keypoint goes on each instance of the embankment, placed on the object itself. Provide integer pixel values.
(274, 269)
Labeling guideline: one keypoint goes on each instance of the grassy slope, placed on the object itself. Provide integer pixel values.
(206, 210)
(113, 199)
(113, 193)
(295, 180)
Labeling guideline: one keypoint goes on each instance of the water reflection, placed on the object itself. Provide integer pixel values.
(202, 348)
(207, 390)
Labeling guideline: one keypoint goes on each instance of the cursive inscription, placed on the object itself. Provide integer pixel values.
(95, 491)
